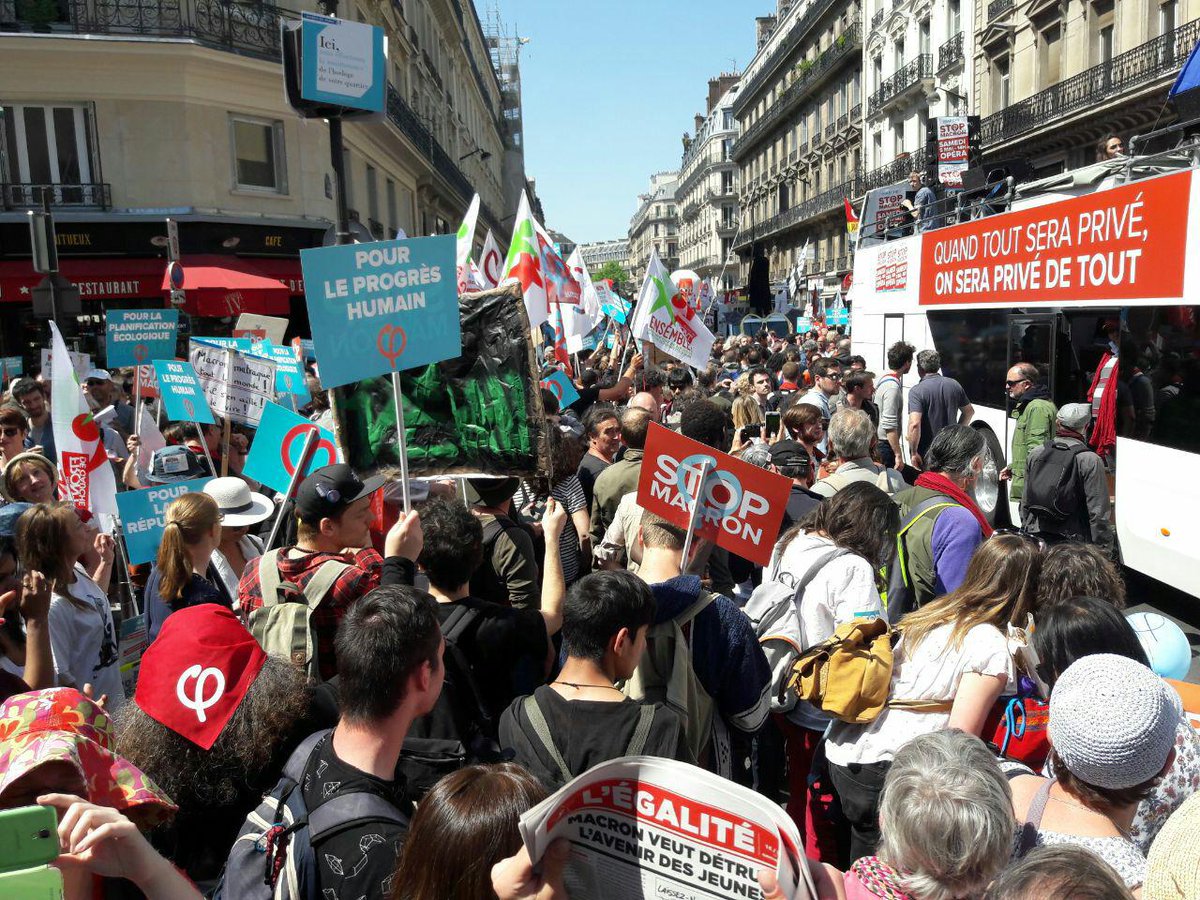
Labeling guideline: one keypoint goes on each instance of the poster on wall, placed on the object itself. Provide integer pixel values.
(953, 150)
(477, 413)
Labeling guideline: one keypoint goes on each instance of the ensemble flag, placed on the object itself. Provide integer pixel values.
(466, 238)
(523, 264)
(86, 477)
(664, 316)
(851, 219)
(490, 262)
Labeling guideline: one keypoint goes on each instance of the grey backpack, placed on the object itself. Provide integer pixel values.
(283, 624)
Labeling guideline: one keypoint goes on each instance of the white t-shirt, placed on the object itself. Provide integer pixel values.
(83, 640)
(842, 590)
(932, 672)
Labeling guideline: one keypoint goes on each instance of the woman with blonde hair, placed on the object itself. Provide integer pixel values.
(953, 659)
(184, 575)
(746, 411)
(51, 539)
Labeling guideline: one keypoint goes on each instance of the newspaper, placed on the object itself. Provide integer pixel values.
(644, 827)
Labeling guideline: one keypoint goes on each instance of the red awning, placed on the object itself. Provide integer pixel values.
(286, 270)
(221, 286)
(120, 278)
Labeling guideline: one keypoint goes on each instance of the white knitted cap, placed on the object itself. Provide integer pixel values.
(1112, 721)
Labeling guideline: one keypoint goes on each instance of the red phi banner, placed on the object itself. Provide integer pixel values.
(740, 506)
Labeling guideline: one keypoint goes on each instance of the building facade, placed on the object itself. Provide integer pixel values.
(655, 226)
(597, 253)
(707, 194)
(1054, 77)
(799, 107)
(918, 63)
(177, 110)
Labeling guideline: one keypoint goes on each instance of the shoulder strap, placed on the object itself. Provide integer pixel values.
(298, 761)
(456, 623)
(1033, 818)
(347, 810)
(541, 728)
(324, 578)
(460, 618)
(268, 577)
(702, 602)
(637, 744)
(814, 571)
(925, 506)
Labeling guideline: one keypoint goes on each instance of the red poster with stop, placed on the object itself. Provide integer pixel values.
(740, 506)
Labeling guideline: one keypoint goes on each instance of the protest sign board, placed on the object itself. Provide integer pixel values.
(278, 443)
(81, 362)
(480, 413)
(561, 387)
(740, 506)
(303, 348)
(147, 382)
(144, 516)
(134, 336)
(11, 366)
(638, 828)
(182, 395)
(383, 307)
(237, 385)
(261, 328)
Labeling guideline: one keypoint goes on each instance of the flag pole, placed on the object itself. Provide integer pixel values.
(204, 446)
(705, 468)
(306, 455)
(401, 442)
(137, 399)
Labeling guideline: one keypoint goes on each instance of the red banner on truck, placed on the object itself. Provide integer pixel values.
(741, 506)
(1120, 244)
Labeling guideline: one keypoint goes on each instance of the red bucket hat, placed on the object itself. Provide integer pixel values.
(197, 671)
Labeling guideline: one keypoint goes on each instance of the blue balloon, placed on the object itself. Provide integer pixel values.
(1164, 642)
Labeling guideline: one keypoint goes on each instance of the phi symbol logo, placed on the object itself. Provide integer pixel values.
(199, 701)
(391, 342)
(140, 352)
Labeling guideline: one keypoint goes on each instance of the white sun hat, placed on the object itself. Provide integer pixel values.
(239, 505)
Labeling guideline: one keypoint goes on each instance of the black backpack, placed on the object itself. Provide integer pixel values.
(275, 854)
(1050, 488)
(459, 731)
(485, 583)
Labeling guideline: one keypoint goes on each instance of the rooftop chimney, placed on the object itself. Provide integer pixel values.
(763, 26)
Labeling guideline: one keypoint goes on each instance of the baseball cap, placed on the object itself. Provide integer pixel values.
(174, 463)
(97, 375)
(789, 454)
(329, 490)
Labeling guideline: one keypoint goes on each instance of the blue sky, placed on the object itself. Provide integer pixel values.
(609, 87)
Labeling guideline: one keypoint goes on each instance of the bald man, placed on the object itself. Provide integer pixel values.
(647, 402)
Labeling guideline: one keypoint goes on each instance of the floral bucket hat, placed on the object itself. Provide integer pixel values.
(61, 725)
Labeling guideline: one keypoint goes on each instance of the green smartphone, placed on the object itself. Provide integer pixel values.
(28, 837)
(40, 883)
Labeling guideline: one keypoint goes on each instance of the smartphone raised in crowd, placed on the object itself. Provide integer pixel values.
(772, 424)
(28, 841)
(752, 430)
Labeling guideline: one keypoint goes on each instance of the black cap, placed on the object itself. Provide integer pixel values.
(328, 491)
(789, 454)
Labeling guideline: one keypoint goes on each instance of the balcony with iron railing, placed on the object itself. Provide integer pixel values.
(791, 32)
(24, 195)
(895, 171)
(811, 74)
(856, 115)
(1155, 60)
(998, 8)
(904, 79)
(950, 52)
(877, 18)
(821, 204)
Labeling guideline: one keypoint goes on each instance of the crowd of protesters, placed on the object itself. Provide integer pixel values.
(443, 675)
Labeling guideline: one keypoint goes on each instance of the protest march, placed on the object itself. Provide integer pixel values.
(465, 565)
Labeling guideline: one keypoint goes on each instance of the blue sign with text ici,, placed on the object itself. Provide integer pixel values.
(277, 446)
(136, 336)
(144, 516)
(182, 394)
(382, 307)
(344, 63)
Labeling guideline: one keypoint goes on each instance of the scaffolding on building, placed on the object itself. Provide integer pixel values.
(504, 45)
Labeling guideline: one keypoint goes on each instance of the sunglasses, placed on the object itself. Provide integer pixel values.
(1015, 383)
(834, 376)
(1000, 532)
(10, 431)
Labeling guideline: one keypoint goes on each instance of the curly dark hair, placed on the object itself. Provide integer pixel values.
(247, 755)
(453, 547)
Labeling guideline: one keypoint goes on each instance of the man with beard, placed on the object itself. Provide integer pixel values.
(1035, 412)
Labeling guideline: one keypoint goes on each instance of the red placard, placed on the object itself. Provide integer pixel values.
(741, 506)
(1122, 244)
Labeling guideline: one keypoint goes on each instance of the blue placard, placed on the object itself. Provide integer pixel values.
(241, 344)
(344, 62)
(143, 516)
(182, 396)
(382, 307)
(136, 336)
(837, 317)
(289, 376)
(275, 450)
(560, 386)
(12, 366)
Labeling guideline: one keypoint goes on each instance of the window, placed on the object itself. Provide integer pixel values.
(392, 221)
(878, 66)
(1000, 83)
(923, 40)
(954, 17)
(1168, 16)
(372, 198)
(1102, 21)
(258, 156)
(898, 55)
(878, 148)
(1050, 56)
(48, 145)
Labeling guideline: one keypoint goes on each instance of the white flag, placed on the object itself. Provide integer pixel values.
(491, 262)
(86, 476)
(666, 318)
(590, 316)
(523, 264)
(466, 239)
(149, 440)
